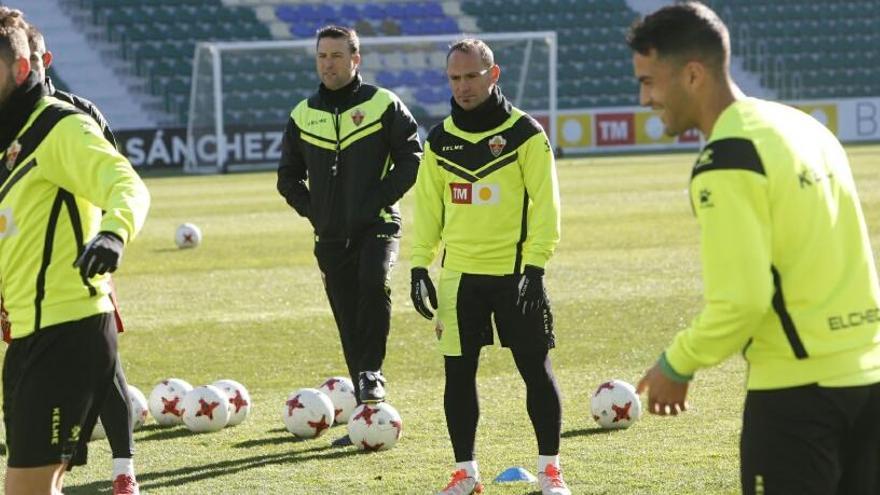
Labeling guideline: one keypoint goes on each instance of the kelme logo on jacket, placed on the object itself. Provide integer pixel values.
(357, 116)
(7, 223)
(497, 144)
(12, 154)
(475, 194)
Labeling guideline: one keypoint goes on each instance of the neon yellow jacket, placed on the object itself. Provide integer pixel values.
(788, 270)
(491, 198)
(50, 206)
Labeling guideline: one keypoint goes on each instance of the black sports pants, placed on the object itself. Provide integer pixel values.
(811, 440)
(356, 278)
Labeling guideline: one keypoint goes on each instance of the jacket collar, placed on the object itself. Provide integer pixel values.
(18, 107)
(486, 116)
(339, 97)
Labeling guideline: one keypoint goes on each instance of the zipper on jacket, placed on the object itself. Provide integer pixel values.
(334, 169)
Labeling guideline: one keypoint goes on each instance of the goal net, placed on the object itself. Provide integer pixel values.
(242, 92)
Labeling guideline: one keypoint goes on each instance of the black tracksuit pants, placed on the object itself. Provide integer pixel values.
(356, 277)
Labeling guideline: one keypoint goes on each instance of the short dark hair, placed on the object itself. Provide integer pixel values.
(685, 30)
(471, 45)
(13, 35)
(341, 32)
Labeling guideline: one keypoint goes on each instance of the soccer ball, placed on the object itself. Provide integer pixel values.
(341, 393)
(165, 401)
(375, 426)
(138, 407)
(308, 413)
(205, 408)
(98, 433)
(188, 236)
(615, 404)
(239, 400)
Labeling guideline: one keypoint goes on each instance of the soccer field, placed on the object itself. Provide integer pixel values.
(248, 305)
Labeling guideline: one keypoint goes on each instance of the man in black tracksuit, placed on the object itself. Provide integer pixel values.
(116, 413)
(357, 146)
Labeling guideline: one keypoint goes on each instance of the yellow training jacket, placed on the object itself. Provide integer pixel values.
(788, 269)
(491, 198)
(50, 207)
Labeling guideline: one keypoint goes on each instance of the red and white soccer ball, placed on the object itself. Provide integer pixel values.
(615, 404)
(165, 401)
(138, 407)
(205, 408)
(308, 413)
(188, 236)
(239, 400)
(341, 393)
(375, 426)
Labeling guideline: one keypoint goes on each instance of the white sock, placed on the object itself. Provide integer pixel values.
(470, 467)
(546, 460)
(122, 465)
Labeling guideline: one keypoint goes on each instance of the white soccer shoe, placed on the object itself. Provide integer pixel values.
(462, 484)
(551, 481)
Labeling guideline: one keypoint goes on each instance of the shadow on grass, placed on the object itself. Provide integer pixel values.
(167, 433)
(586, 432)
(259, 442)
(153, 481)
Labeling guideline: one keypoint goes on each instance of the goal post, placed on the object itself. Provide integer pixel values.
(242, 92)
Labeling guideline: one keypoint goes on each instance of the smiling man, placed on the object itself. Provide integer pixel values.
(788, 270)
(487, 192)
(349, 153)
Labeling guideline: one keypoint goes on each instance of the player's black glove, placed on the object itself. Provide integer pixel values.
(531, 296)
(101, 255)
(422, 292)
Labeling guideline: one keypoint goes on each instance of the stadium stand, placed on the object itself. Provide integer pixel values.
(805, 49)
(799, 48)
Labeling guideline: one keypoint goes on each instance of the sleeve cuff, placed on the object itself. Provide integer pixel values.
(670, 372)
(534, 260)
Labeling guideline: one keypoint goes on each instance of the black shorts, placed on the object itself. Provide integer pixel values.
(54, 384)
(811, 440)
(467, 304)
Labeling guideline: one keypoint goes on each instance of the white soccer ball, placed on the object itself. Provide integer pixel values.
(308, 413)
(375, 426)
(138, 406)
(98, 433)
(205, 408)
(239, 400)
(188, 236)
(165, 401)
(341, 393)
(615, 404)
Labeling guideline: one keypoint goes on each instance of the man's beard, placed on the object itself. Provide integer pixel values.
(7, 89)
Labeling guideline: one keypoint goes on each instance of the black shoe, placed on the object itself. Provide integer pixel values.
(371, 386)
(343, 441)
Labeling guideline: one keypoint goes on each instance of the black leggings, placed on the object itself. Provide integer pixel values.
(462, 406)
(116, 417)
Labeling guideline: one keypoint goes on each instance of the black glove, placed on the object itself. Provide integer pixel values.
(423, 288)
(101, 255)
(532, 296)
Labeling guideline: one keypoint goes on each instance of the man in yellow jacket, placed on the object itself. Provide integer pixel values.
(788, 270)
(69, 203)
(487, 193)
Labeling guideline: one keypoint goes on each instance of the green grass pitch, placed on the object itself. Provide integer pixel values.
(248, 305)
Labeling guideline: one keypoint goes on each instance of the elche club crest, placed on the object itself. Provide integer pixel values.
(357, 116)
(497, 144)
(12, 154)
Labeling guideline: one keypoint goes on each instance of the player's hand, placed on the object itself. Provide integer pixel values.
(101, 255)
(531, 295)
(665, 396)
(422, 292)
